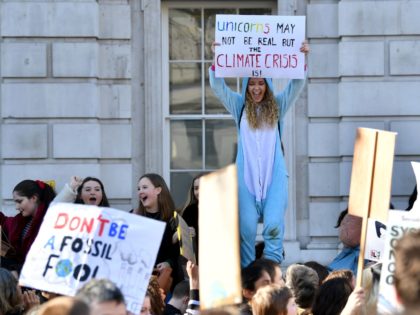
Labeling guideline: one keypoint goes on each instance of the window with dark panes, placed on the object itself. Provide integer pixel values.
(202, 134)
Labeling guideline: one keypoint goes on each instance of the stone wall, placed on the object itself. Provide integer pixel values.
(66, 100)
(364, 72)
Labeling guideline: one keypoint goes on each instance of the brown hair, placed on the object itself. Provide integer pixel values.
(29, 188)
(346, 274)
(166, 205)
(271, 300)
(263, 113)
(191, 199)
(407, 269)
(104, 202)
(10, 299)
(331, 297)
(157, 304)
(64, 305)
(304, 282)
(371, 277)
(321, 270)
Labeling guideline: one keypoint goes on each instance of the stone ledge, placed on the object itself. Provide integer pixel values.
(370, 98)
(323, 60)
(408, 143)
(362, 58)
(13, 174)
(21, 141)
(65, 100)
(322, 20)
(104, 61)
(323, 100)
(23, 60)
(404, 57)
(365, 18)
(45, 19)
(62, 19)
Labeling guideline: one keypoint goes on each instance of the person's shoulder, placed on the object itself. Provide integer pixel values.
(16, 312)
(245, 309)
(190, 209)
(11, 221)
(171, 310)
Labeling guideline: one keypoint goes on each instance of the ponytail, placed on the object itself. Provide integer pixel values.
(29, 188)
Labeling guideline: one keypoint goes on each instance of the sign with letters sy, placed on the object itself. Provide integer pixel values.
(263, 46)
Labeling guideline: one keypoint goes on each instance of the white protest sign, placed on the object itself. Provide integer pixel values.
(399, 223)
(264, 46)
(77, 243)
(375, 240)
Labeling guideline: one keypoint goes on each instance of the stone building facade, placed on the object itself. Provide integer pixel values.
(117, 88)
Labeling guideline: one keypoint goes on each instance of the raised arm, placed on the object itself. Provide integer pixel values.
(194, 302)
(290, 94)
(231, 100)
(69, 191)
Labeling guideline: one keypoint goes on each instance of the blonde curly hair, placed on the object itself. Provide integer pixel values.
(264, 113)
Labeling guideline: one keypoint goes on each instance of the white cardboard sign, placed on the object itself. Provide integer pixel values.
(400, 222)
(77, 243)
(375, 240)
(264, 46)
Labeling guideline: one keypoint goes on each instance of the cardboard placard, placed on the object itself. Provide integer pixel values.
(50, 182)
(220, 272)
(371, 177)
(265, 46)
(186, 244)
(375, 240)
(77, 243)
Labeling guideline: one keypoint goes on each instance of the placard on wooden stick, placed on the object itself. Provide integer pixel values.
(186, 243)
(371, 177)
(1, 245)
(220, 277)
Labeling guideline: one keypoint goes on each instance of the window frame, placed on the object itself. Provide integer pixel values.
(166, 6)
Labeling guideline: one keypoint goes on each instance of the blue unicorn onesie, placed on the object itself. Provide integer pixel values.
(262, 175)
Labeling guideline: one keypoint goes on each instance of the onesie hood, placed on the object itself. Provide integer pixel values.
(245, 81)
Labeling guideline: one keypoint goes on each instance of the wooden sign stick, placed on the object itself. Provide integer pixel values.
(361, 261)
(1, 243)
(220, 270)
(371, 176)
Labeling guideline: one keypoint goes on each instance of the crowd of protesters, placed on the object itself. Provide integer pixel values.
(301, 288)
(307, 288)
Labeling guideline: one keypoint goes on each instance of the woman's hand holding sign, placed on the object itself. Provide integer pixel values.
(305, 47)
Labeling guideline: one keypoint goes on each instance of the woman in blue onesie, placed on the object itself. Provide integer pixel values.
(262, 175)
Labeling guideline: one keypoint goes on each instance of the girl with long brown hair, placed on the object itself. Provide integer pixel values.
(155, 202)
(262, 174)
